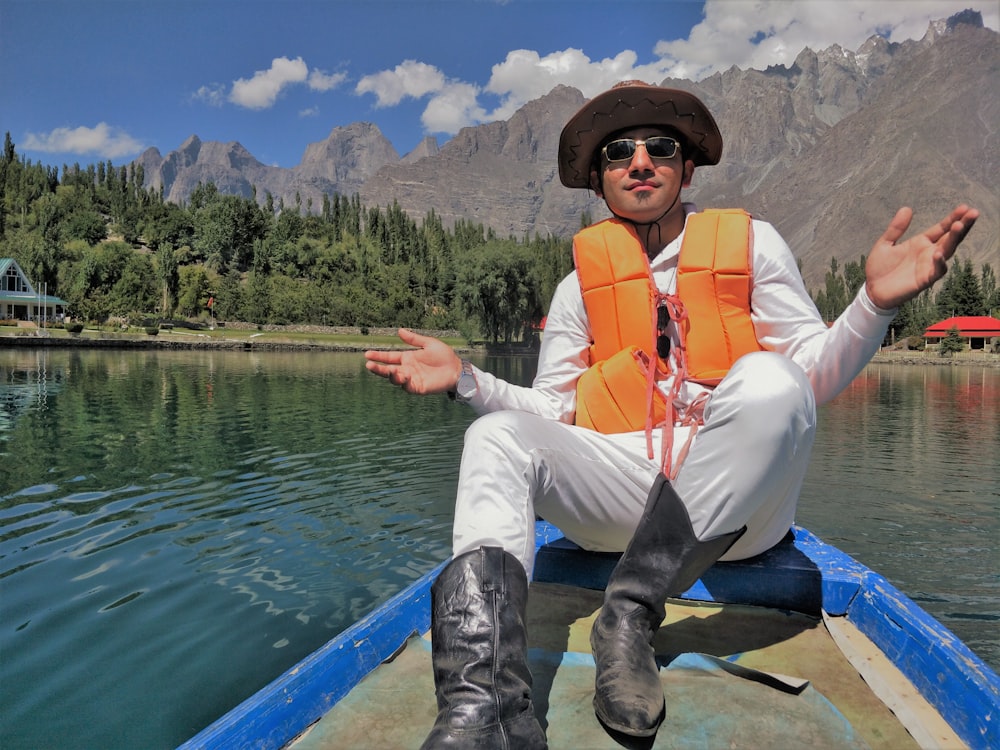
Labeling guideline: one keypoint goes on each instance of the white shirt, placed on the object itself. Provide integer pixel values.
(784, 318)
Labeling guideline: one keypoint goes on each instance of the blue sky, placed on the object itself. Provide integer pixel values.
(91, 80)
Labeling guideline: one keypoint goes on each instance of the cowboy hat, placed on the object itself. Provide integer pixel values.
(631, 104)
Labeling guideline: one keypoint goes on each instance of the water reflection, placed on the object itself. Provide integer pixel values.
(905, 477)
(177, 529)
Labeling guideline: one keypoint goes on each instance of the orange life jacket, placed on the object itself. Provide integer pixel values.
(711, 308)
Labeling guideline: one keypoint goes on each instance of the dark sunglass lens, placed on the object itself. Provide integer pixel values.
(661, 147)
(620, 150)
(663, 346)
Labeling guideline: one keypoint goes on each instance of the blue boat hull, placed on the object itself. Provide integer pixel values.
(801, 574)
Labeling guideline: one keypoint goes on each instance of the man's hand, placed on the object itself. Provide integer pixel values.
(897, 273)
(432, 367)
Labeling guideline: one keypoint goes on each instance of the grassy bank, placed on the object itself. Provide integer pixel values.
(347, 339)
(223, 338)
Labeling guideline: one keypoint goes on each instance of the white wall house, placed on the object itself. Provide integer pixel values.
(19, 300)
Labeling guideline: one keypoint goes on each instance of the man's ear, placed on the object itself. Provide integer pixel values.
(595, 183)
(688, 173)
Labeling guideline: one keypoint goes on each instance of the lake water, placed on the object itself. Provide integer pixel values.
(177, 529)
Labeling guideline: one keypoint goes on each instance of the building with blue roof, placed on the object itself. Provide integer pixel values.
(19, 300)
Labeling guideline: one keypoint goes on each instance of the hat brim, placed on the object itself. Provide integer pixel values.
(630, 106)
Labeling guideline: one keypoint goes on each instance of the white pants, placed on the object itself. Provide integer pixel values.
(745, 467)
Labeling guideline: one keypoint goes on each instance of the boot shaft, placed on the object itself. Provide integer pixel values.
(664, 557)
(479, 652)
(662, 560)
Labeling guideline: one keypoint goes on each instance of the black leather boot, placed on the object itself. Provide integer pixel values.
(663, 559)
(479, 646)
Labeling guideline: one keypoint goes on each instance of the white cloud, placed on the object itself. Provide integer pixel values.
(525, 75)
(408, 79)
(213, 94)
(261, 91)
(734, 32)
(773, 32)
(101, 140)
(452, 108)
(320, 81)
(309, 112)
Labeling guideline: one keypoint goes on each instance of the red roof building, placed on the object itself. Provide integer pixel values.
(976, 328)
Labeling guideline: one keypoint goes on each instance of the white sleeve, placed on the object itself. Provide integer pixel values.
(563, 357)
(787, 322)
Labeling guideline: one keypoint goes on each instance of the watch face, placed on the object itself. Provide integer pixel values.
(466, 385)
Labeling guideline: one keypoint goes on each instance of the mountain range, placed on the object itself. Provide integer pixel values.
(825, 149)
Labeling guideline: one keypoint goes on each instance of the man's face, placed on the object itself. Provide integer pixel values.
(642, 188)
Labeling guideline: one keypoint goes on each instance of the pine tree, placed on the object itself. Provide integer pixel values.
(990, 290)
(952, 342)
(960, 292)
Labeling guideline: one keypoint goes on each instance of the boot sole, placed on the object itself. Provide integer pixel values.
(627, 730)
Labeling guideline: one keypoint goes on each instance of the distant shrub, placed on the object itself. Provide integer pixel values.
(916, 343)
(73, 327)
(152, 330)
(952, 342)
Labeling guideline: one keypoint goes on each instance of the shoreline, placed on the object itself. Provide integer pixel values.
(273, 341)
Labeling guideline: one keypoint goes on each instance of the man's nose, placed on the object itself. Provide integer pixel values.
(640, 160)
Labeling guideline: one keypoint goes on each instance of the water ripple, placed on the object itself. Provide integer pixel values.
(182, 530)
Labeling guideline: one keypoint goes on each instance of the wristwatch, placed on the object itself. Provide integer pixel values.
(466, 386)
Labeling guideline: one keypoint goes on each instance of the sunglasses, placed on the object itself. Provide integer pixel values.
(657, 147)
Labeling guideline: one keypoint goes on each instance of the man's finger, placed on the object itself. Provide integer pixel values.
(384, 357)
(954, 226)
(898, 226)
(413, 338)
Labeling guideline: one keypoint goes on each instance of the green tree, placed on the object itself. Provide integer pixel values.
(93, 278)
(228, 297)
(37, 256)
(84, 225)
(75, 216)
(256, 299)
(495, 288)
(854, 277)
(290, 300)
(914, 316)
(990, 289)
(952, 342)
(192, 295)
(136, 287)
(833, 301)
(166, 224)
(960, 292)
(226, 228)
(552, 259)
(7, 160)
(167, 275)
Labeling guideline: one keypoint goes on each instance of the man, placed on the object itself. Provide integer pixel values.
(656, 424)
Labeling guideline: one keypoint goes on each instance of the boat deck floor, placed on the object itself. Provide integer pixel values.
(733, 676)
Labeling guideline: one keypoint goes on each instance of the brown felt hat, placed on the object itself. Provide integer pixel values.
(631, 104)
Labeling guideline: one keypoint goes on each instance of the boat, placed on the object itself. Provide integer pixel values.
(801, 646)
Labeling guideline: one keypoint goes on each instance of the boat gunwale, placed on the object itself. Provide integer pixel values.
(802, 574)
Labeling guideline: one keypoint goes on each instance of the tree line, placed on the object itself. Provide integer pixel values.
(962, 292)
(110, 247)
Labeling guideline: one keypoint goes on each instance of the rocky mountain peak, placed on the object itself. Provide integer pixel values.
(426, 148)
(936, 29)
(826, 149)
(968, 17)
(346, 158)
(190, 149)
